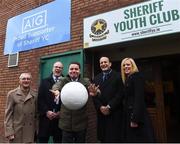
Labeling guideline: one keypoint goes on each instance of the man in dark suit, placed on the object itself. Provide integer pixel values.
(108, 104)
(49, 108)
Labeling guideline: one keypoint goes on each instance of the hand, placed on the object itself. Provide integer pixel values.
(57, 114)
(51, 115)
(11, 137)
(133, 125)
(104, 110)
(93, 89)
(55, 92)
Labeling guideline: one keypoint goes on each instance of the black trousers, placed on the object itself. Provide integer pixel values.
(74, 137)
(49, 128)
(57, 137)
(46, 139)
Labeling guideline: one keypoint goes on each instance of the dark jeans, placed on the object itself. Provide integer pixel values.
(74, 137)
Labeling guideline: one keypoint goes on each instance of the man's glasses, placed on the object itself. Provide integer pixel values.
(58, 67)
(24, 78)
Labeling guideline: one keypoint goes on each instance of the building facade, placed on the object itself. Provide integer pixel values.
(157, 56)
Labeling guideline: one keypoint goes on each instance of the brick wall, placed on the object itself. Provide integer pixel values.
(29, 60)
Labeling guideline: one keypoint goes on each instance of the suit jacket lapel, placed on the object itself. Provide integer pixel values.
(51, 80)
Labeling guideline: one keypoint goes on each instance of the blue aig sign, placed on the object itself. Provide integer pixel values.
(34, 22)
(46, 25)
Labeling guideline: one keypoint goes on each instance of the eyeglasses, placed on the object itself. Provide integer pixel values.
(58, 67)
(24, 78)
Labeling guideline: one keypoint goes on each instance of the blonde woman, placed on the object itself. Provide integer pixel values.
(137, 125)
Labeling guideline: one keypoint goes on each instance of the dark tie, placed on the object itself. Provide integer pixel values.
(56, 79)
(105, 75)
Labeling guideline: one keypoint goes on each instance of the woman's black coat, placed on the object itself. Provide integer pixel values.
(135, 111)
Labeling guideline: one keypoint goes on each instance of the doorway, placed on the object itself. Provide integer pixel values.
(171, 90)
(162, 90)
(46, 63)
(162, 94)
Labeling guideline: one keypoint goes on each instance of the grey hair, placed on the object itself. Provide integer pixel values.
(22, 75)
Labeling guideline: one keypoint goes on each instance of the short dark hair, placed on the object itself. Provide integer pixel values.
(77, 63)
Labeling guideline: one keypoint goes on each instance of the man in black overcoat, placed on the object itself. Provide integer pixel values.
(49, 108)
(108, 104)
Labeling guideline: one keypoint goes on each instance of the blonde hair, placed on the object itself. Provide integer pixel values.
(134, 68)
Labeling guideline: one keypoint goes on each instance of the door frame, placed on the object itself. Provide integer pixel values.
(160, 108)
(58, 57)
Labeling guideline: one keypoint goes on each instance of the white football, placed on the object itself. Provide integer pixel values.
(74, 95)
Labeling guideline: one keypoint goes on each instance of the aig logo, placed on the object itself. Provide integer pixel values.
(34, 22)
